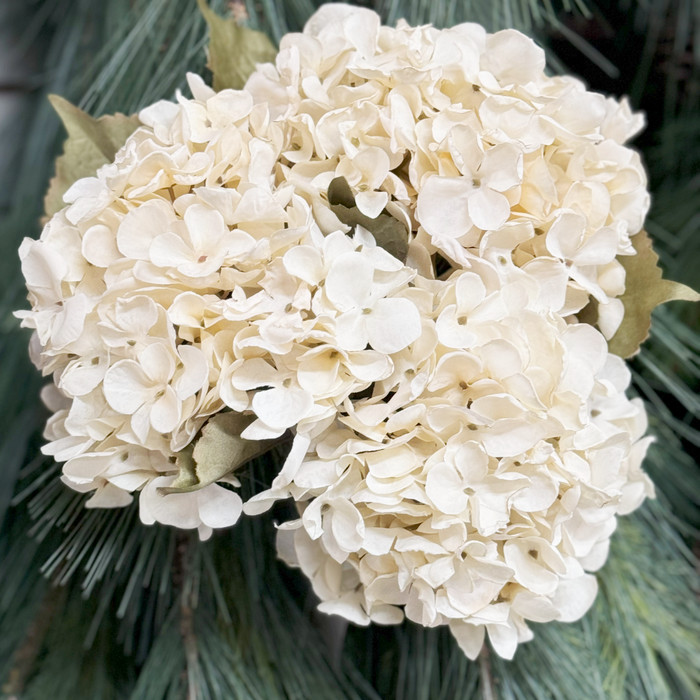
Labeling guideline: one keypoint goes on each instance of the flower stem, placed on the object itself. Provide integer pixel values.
(488, 691)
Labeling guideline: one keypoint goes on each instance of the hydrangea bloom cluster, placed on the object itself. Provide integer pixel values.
(462, 445)
(482, 480)
(416, 118)
(161, 296)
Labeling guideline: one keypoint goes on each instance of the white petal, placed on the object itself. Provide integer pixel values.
(504, 639)
(574, 597)
(43, 268)
(535, 608)
(392, 325)
(469, 291)
(502, 167)
(508, 437)
(349, 281)
(100, 246)
(232, 397)
(206, 227)
(445, 489)
(552, 277)
(541, 493)
(141, 423)
(199, 89)
(137, 314)
(158, 363)
(529, 570)
(371, 203)
(126, 387)
(69, 324)
(195, 373)
(472, 462)
(219, 507)
(178, 509)
(369, 366)
(293, 462)
(141, 226)
(378, 541)
(452, 329)
(386, 615)
(599, 248)
(318, 374)
(347, 525)
(109, 496)
(254, 373)
(610, 317)
(351, 330)
(469, 637)
(304, 262)
(392, 462)
(437, 218)
(282, 407)
(349, 610)
(565, 235)
(513, 58)
(169, 250)
(80, 380)
(257, 430)
(488, 209)
(166, 412)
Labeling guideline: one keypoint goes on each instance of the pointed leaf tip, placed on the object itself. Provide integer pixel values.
(91, 143)
(645, 290)
(234, 50)
(219, 451)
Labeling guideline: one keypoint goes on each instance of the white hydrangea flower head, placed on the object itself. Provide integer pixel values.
(415, 117)
(190, 277)
(479, 484)
(462, 446)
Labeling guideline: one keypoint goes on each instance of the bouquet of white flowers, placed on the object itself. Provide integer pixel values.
(409, 253)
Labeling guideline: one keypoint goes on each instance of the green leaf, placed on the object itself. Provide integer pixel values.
(645, 290)
(91, 144)
(388, 231)
(340, 193)
(219, 451)
(234, 50)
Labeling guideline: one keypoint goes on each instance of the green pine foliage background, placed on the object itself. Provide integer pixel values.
(96, 606)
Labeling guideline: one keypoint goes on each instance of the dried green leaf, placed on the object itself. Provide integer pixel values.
(645, 290)
(234, 50)
(388, 232)
(219, 451)
(187, 479)
(589, 313)
(340, 193)
(91, 144)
